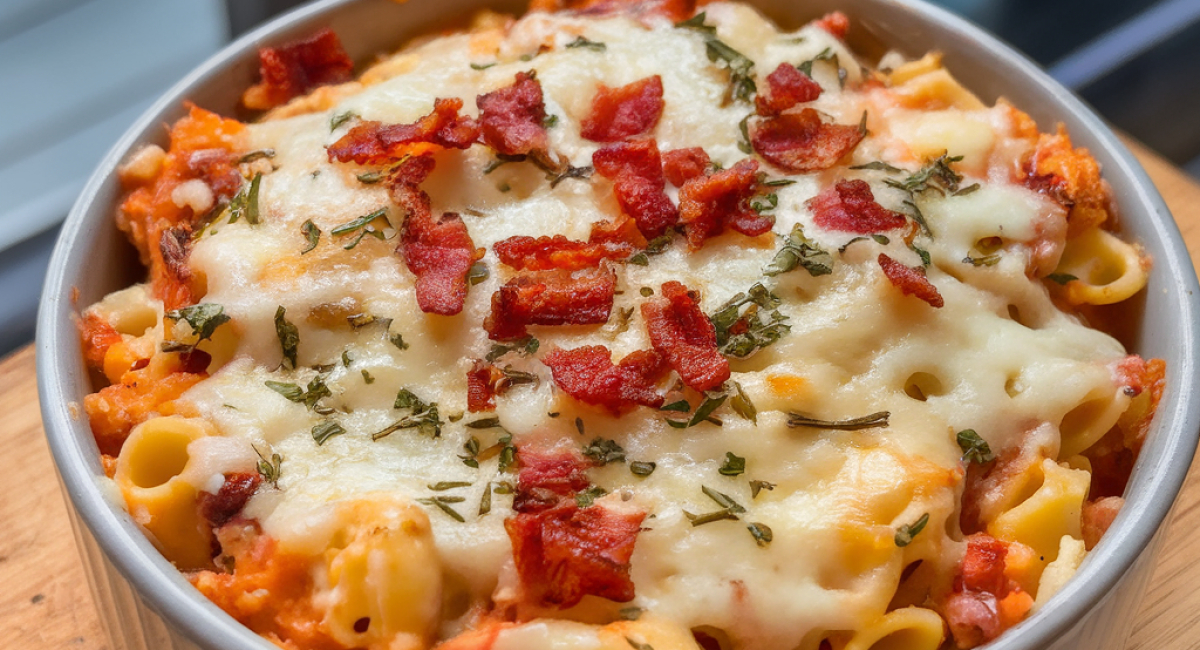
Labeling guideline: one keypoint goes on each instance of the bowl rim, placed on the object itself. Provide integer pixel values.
(1163, 463)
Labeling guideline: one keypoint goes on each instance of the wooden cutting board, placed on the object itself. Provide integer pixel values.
(45, 603)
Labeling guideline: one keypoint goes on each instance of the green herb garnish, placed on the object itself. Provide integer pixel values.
(603, 451)
(975, 449)
(734, 465)
(312, 233)
(906, 533)
(289, 338)
(582, 41)
(879, 419)
(326, 430)
(798, 250)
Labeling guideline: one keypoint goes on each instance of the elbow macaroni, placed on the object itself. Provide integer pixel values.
(840, 477)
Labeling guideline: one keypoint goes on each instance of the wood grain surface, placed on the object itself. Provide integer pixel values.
(45, 603)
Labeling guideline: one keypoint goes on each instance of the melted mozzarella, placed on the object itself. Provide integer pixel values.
(855, 342)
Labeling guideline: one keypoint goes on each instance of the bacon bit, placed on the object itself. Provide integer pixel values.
(237, 489)
(621, 231)
(546, 477)
(910, 281)
(682, 165)
(296, 68)
(786, 87)
(376, 143)
(984, 601)
(588, 375)
(849, 206)
(546, 253)
(481, 386)
(97, 336)
(217, 167)
(1071, 176)
(635, 168)
(619, 113)
(440, 254)
(511, 119)
(684, 336)
(801, 142)
(551, 298)
(983, 565)
(835, 23)
(709, 204)
(567, 552)
(641, 10)
(1097, 517)
(172, 279)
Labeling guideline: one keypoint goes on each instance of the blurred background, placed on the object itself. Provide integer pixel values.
(100, 63)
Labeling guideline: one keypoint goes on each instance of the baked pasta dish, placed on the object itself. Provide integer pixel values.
(620, 325)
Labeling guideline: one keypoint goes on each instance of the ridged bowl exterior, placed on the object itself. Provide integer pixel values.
(145, 603)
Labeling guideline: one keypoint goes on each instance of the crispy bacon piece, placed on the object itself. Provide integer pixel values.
(440, 253)
(567, 552)
(635, 168)
(589, 375)
(710, 204)
(910, 281)
(97, 336)
(551, 298)
(684, 336)
(481, 386)
(984, 601)
(785, 87)
(296, 68)
(511, 119)
(546, 477)
(619, 113)
(173, 283)
(849, 206)
(237, 489)
(376, 143)
(558, 252)
(1071, 176)
(801, 142)
(642, 10)
(835, 23)
(682, 165)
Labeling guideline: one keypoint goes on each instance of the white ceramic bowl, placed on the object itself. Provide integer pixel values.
(145, 603)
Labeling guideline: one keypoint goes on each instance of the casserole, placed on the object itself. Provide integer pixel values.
(91, 291)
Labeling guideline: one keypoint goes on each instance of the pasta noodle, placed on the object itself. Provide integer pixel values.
(620, 325)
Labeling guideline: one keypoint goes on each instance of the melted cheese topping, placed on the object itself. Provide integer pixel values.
(999, 357)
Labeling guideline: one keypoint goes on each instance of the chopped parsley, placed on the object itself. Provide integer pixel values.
(741, 69)
(482, 66)
(477, 273)
(830, 56)
(603, 451)
(524, 347)
(800, 251)
(312, 233)
(879, 419)
(293, 393)
(326, 430)
(704, 413)
(364, 225)
(586, 498)
(204, 319)
(269, 470)
(340, 118)
(758, 486)
(245, 203)
(975, 449)
(257, 154)
(756, 333)
(734, 465)
(877, 238)
(656, 246)
(1061, 278)
(289, 338)
(582, 41)
(642, 467)
(761, 532)
(580, 173)
(906, 533)
(443, 503)
(422, 416)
